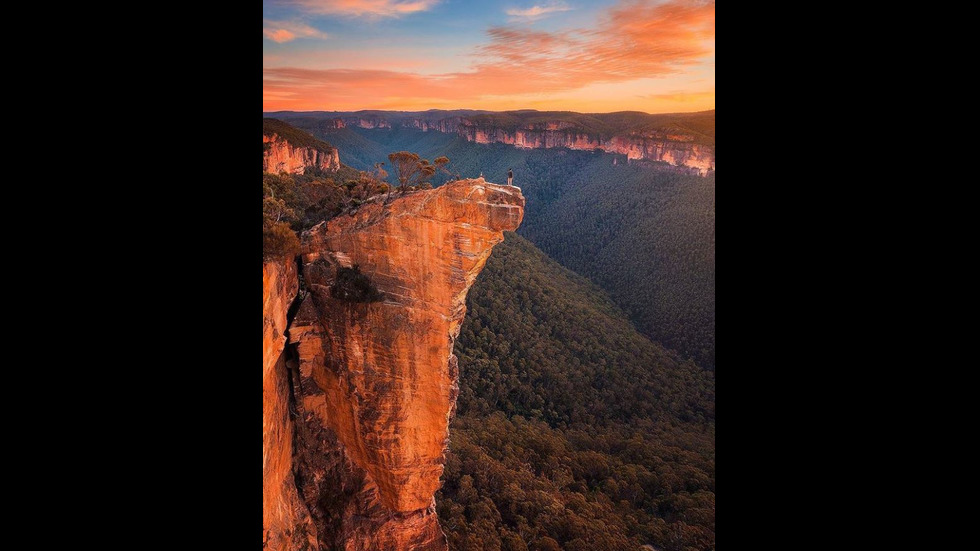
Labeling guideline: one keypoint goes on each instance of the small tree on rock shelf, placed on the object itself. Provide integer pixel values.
(411, 170)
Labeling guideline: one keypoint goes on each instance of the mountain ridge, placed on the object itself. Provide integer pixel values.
(679, 140)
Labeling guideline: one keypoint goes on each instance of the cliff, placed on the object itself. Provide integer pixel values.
(286, 523)
(282, 155)
(684, 140)
(377, 376)
(675, 149)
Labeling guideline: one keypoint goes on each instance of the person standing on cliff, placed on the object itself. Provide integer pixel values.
(510, 176)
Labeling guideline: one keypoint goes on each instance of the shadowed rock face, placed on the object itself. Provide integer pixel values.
(378, 380)
(286, 522)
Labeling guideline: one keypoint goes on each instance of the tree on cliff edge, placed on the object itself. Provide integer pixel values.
(412, 170)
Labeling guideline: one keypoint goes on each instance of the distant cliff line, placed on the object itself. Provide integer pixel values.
(682, 140)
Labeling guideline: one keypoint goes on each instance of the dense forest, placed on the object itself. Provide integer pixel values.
(700, 125)
(646, 236)
(293, 135)
(573, 431)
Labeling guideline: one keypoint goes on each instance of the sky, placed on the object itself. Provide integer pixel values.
(591, 56)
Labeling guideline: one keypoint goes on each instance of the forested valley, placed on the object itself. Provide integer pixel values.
(573, 431)
(585, 419)
(645, 235)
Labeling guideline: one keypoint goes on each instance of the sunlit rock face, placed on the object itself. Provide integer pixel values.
(674, 148)
(282, 156)
(377, 377)
(286, 523)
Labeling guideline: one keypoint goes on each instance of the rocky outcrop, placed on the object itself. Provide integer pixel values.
(378, 379)
(373, 122)
(286, 523)
(282, 156)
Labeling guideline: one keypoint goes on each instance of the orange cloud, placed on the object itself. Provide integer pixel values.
(278, 35)
(635, 40)
(284, 31)
(377, 8)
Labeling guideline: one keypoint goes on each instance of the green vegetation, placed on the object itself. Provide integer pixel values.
(512, 120)
(699, 125)
(297, 137)
(296, 202)
(645, 236)
(355, 149)
(412, 170)
(278, 240)
(648, 239)
(573, 430)
(571, 426)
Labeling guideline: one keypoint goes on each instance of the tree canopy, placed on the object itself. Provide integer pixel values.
(573, 431)
(412, 170)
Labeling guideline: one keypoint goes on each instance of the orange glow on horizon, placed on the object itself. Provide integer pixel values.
(659, 103)
(641, 56)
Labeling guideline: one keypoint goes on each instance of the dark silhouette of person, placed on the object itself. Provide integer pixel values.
(510, 177)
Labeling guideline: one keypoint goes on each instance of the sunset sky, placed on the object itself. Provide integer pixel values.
(590, 56)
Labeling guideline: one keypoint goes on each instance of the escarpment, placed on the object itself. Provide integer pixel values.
(377, 379)
(646, 142)
(675, 149)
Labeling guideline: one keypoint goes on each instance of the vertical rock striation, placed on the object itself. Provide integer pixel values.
(378, 379)
(282, 156)
(286, 523)
(675, 149)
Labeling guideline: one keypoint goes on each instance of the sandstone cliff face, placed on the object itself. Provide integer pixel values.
(676, 149)
(283, 156)
(447, 125)
(372, 123)
(286, 523)
(378, 380)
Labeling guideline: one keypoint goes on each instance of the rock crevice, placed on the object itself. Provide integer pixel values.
(286, 521)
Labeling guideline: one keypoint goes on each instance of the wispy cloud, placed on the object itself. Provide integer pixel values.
(537, 12)
(681, 96)
(357, 8)
(278, 35)
(634, 40)
(284, 31)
